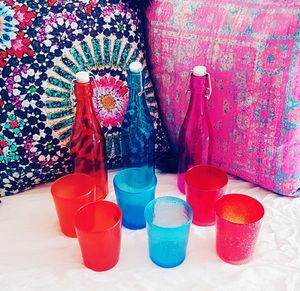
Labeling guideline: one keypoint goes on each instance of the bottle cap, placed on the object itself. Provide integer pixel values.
(199, 71)
(83, 77)
(135, 67)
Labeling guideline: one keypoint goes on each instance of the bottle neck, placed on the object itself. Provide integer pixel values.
(136, 82)
(198, 87)
(84, 96)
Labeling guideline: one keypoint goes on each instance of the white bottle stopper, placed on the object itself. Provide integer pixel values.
(135, 67)
(199, 71)
(83, 77)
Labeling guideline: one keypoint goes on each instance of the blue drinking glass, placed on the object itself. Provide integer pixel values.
(134, 189)
(168, 222)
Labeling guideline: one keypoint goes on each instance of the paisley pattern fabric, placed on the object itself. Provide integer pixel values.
(252, 51)
(42, 46)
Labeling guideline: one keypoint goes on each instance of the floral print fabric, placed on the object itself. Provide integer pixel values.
(42, 46)
(252, 51)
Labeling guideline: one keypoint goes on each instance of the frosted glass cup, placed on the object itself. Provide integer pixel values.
(238, 220)
(98, 228)
(168, 222)
(69, 193)
(205, 184)
(134, 189)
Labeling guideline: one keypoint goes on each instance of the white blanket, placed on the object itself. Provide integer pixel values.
(35, 255)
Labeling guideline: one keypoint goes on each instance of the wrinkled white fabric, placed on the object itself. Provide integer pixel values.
(35, 255)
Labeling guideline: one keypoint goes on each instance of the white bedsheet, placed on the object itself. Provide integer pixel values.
(35, 255)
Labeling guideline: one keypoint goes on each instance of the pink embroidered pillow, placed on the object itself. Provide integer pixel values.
(252, 50)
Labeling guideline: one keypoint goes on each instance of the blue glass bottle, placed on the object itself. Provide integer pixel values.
(138, 135)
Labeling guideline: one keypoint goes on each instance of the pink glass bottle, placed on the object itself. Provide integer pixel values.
(87, 143)
(195, 130)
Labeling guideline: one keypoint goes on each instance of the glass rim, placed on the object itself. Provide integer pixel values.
(182, 202)
(244, 196)
(119, 212)
(138, 191)
(93, 186)
(209, 166)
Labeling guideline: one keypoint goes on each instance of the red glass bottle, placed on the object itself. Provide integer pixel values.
(87, 143)
(195, 130)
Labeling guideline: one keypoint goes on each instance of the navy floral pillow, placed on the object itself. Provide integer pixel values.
(42, 46)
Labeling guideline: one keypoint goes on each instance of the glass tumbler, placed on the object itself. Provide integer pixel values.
(134, 190)
(205, 184)
(69, 193)
(168, 225)
(98, 228)
(238, 221)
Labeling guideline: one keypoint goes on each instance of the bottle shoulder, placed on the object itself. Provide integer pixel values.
(87, 127)
(137, 115)
(194, 128)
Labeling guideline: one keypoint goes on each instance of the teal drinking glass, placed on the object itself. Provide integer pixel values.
(168, 221)
(134, 190)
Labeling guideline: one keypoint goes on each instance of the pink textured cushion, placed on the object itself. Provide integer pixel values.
(252, 51)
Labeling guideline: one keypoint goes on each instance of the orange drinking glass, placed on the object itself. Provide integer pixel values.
(69, 193)
(98, 228)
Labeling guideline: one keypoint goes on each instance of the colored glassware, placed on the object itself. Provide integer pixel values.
(87, 144)
(195, 131)
(204, 184)
(98, 228)
(138, 136)
(238, 220)
(134, 190)
(69, 193)
(168, 225)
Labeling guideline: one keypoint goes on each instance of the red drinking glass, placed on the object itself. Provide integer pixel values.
(205, 184)
(69, 193)
(238, 219)
(98, 228)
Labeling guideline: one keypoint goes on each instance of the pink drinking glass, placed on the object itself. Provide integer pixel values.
(238, 221)
(205, 184)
